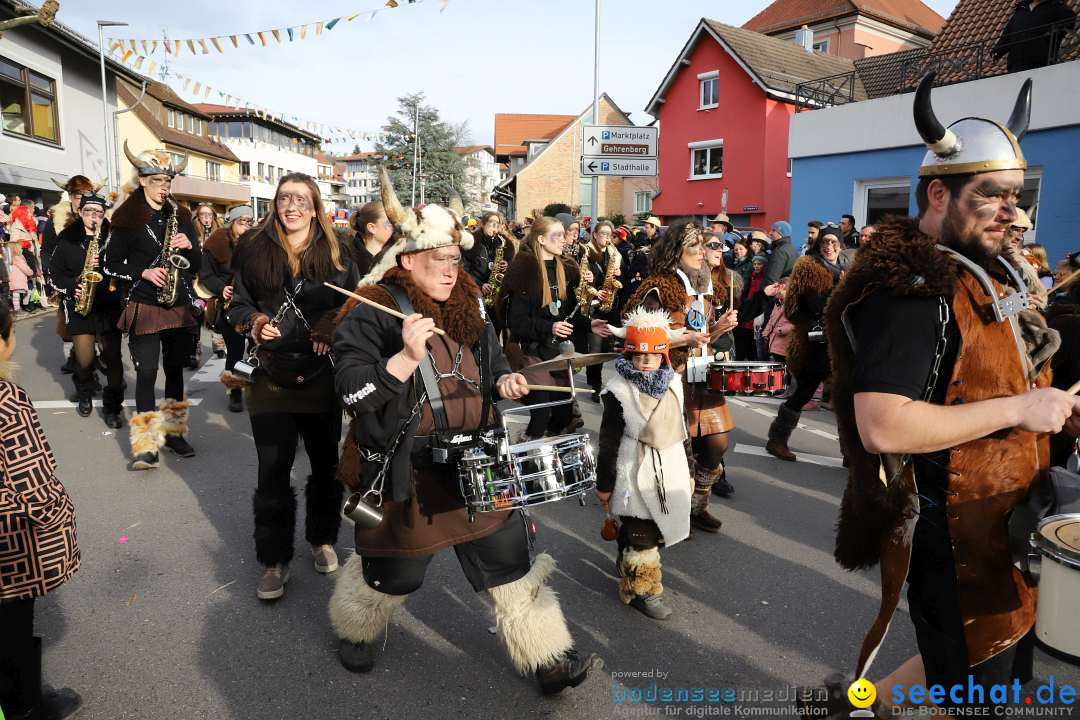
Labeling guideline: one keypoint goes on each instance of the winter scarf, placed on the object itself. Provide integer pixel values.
(653, 384)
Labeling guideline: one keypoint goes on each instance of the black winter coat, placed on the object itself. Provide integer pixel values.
(66, 266)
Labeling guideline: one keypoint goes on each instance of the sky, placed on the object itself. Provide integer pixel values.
(472, 59)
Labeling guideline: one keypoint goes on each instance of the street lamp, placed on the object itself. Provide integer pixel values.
(104, 99)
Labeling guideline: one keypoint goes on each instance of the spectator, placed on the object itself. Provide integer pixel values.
(741, 260)
(721, 226)
(784, 254)
(1032, 37)
(1036, 255)
(759, 243)
(866, 235)
(778, 329)
(750, 306)
(812, 229)
(847, 232)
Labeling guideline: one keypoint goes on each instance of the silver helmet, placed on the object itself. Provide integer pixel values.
(971, 145)
(155, 162)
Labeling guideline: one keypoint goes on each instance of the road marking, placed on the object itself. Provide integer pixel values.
(63, 404)
(823, 460)
(210, 371)
(772, 413)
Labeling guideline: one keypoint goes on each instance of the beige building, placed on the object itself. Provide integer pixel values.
(552, 172)
(161, 119)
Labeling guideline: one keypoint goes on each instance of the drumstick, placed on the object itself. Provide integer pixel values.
(377, 306)
(731, 288)
(557, 388)
(1075, 388)
(1064, 283)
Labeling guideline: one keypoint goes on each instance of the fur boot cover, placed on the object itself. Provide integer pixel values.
(641, 574)
(358, 612)
(146, 433)
(173, 416)
(529, 620)
(232, 381)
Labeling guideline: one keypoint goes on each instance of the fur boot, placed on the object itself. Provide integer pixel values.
(530, 622)
(641, 574)
(231, 381)
(358, 612)
(147, 434)
(174, 414)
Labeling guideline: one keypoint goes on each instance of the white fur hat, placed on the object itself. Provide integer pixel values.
(426, 228)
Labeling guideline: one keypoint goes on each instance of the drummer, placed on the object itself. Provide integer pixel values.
(402, 443)
(680, 284)
(643, 475)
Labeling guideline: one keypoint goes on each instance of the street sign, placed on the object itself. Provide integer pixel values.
(620, 166)
(618, 141)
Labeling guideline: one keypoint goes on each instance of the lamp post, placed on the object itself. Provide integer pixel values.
(595, 189)
(109, 153)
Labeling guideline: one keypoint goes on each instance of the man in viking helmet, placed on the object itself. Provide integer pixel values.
(941, 388)
(414, 396)
(151, 245)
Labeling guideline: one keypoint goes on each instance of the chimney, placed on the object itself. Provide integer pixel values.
(805, 37)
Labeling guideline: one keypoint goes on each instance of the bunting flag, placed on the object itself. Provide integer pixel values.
(202, 45)
(303, 31)
(277, 35)
(191, 46)
(262, 38)
(289, 30)
(216, 44)
(232, 39)
(144, 50)
(330, 25)
(150, 70)
(249, 38)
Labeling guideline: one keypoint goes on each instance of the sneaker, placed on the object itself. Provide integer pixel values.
(652, 606)
(179, 445)
(356, 657)
(325, 558)
(57, 704)
(567, 671)
(272, 583)
(85, 406)
(144, 461)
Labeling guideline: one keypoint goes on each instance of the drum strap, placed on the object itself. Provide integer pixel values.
(426, 369)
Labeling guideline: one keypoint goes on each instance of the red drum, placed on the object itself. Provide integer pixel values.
(747, 377)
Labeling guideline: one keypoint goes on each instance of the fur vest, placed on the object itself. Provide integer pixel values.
(808, 277)
(640, 469)
(988, 477)
(220, 246)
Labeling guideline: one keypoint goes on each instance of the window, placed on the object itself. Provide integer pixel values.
(270, 173)
(28, 102)
(262, 208)
(790, 166)
(585, 196)
(643, 201)
(706, 159)
(245, 170)
(874, 199)
(262, 171)
(213, 171)
(709, 86)
(190, 123)
(177, 159)
(822, 47)
(1029, 200)
(172, 118)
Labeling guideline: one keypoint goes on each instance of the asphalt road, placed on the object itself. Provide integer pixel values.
(162, 621)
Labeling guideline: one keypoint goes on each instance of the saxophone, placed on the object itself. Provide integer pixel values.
(495, 281)
(584, 293)
(89, 277)
(172, 262)
(611, 286)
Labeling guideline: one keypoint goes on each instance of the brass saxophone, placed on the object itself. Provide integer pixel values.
(611, 285)
(89, 277)
(172, 262)
(584, 293)
(495, 281)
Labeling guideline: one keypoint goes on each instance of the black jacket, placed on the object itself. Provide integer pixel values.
(135, 243)
(68, 260)
(781, 261)
(530, 323)
(216, 272)
(480, 257)
(1032, 38)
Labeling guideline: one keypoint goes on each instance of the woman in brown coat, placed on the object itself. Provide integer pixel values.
(38, 547)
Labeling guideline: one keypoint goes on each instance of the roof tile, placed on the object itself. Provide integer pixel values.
(784, 15)
(512, 130)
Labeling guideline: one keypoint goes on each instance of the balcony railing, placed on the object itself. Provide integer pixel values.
(900, 72)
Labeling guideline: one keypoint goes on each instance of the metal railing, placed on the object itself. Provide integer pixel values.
(901, 72)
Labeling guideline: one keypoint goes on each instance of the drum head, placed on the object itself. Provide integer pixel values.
(1060, 535)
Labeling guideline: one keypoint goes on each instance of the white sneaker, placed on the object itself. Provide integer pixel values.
(325, 558)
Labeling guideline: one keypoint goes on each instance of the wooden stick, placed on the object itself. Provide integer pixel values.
(1064, 283)
(731, 287)
(557, 388)
(377, 306)
(1075, 388)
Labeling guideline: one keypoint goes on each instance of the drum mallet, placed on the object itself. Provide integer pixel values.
(558, 388)
(377, 306)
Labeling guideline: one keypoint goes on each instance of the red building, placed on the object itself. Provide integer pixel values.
(723, 110)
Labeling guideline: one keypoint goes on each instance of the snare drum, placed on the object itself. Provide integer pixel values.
(1057, 620)
(496, 477)
(747, 377)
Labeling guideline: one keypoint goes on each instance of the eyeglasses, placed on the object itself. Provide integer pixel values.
(243, 221)
(94, 213)
(714, 246)
(300, 202)
(159, 180)
(830, 243)
(451, 262)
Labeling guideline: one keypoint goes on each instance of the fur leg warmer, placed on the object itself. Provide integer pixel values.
(174, 416)
(232, 381)
(358, 612)
(146, 433)
(322, 499)
(275, 524)
(641, 574)
(529, 620)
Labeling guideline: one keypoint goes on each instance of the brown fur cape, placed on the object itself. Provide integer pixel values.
(220, 246)
(135, 212)
(808, 276)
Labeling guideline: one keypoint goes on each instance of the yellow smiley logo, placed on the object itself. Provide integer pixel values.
(862, 693)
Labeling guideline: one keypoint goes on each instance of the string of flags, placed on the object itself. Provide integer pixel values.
(259, 38)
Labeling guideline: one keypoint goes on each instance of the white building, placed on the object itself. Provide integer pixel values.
(361, 178)
(268, 149)
(482, 174)
(331, 183)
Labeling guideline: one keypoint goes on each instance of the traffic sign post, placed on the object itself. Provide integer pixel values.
(618, 141)
(620, 166)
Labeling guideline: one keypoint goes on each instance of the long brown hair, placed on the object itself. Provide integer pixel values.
(269, 260)
(667, 251)
(215, 221)
(368, 213)
(542, 226)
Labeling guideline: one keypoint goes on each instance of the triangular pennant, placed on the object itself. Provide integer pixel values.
(391, 3)
(134, 47)
(216, 44)
(195, 90)
(202, 45)
(249, 38)
(372, 15)
(352, 17)
(207, 93)
(318, 28)
(303, 31)
(276, 34)
(124, 57)
(145, 51)
(191, 46)
(232, 39)
(152, 68)
(290, 32)
(443, 4)
(262, 38)
(153, 47)
(138, 62)
(177, 47)
(330, 25)
(187, 81)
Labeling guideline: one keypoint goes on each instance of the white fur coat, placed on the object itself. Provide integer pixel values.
(635, 491)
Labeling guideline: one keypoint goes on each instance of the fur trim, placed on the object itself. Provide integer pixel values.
(426, 228)
(220, 245)
(358, 612)
(232, 381)
(459, 316)
(641, 574)
(146, 433)
(668, 289)
(322, 503)
(135, 212)
(808, 277)
(75, 232)
(174, 415)
(275, 525)
(62, 216)
(529, 620)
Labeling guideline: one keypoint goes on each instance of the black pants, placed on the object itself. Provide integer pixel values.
(745, 349)
(171, 348)
(637, 533)
(547, 420)
(276, 436)
(497, 559)
(234, 345)
(17, 693)
(815, 371)
(83, 346)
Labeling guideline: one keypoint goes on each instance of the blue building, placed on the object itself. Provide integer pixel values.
(863, 157)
